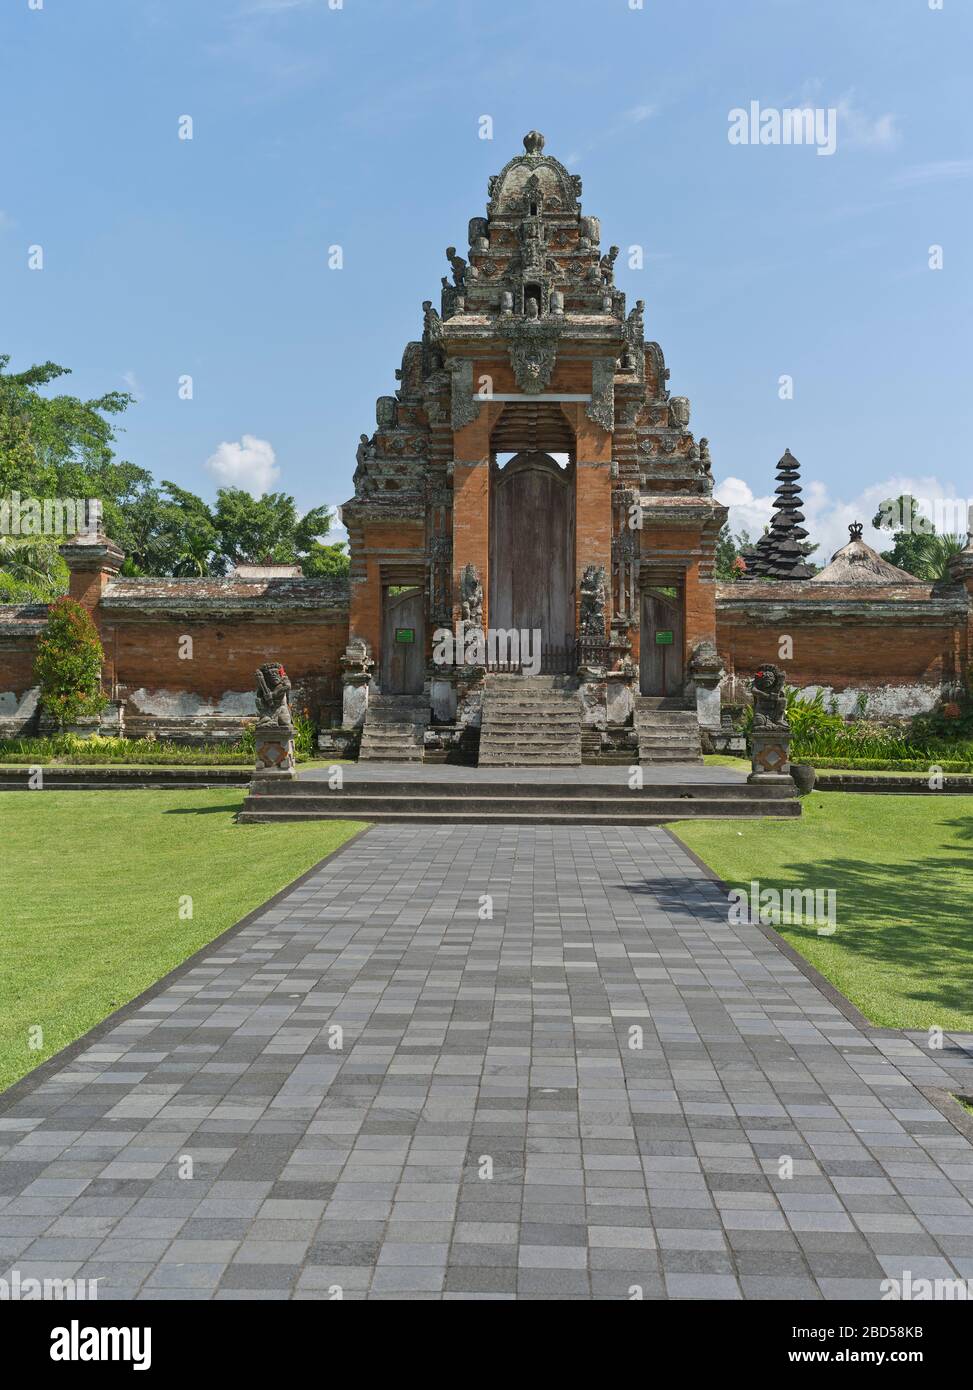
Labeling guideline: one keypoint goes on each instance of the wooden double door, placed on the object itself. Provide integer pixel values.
(532, 551)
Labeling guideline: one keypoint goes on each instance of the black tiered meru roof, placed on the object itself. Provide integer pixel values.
(779, 554)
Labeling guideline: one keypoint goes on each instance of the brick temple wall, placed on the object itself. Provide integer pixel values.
(143, 663)
(208, 694)
(18, 700)
(898, 646)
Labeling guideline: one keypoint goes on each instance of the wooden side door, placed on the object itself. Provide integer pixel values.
(661, 663)
(403, 643)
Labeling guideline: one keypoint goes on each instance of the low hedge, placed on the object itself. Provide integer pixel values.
(70, 750)
(878, 765)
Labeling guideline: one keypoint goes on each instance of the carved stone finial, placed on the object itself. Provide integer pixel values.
(533, 142)
(855, 530)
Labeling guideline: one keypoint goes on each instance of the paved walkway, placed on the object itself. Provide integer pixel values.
(487, 1130)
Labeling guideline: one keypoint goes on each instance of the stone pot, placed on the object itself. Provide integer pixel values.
(804, 777)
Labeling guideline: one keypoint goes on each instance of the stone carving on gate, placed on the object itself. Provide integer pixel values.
(471, 598)
(601, 408)
(465, 405)
(594, 599)
(533, 365)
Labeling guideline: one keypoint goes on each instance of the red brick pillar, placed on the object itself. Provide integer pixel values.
(92, 560)
(471, 503)
(593, 498)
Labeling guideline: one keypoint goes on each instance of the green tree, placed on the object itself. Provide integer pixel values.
(61, 446)
(325, 559)
(68, 663)
(729, 562)
(917, 546)
(267, 530)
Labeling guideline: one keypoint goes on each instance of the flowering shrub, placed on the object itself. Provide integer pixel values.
(68, 664)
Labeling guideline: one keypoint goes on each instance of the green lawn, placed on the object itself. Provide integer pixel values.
(91, 883)
(902, 868)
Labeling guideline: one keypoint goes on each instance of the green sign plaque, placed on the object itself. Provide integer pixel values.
(405, 634)
(663, 639)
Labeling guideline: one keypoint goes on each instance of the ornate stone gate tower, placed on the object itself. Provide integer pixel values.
(599, 532)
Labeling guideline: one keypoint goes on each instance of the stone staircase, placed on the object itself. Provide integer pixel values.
(394, 728)
(516, 802)
(530, 721)
(668, 731)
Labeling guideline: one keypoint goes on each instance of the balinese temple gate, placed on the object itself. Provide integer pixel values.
(533, 474)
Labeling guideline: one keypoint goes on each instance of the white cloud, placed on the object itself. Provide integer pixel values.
(251, 465)
(747, 512)
(828, 517)
(338, 532)
(133, 385)
(857, 128)
(939, 171)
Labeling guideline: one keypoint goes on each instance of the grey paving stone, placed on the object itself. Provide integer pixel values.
(616, 1173)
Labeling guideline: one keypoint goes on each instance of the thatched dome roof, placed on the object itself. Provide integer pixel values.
(858, 563)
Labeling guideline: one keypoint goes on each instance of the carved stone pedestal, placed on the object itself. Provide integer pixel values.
(706, 670)
(274, 748)
(356, 676)
(770, 755)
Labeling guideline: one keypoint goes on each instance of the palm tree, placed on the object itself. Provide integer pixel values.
(935, 554)
(33, 563)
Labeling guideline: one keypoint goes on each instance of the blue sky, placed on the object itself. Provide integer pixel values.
(359, 126)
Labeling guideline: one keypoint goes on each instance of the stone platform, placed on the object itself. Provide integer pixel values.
(444, 794)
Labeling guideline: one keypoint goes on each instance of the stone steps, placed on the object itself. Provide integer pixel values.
(668, 732)
(574, 804)
(394, 728)
(530, 721)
